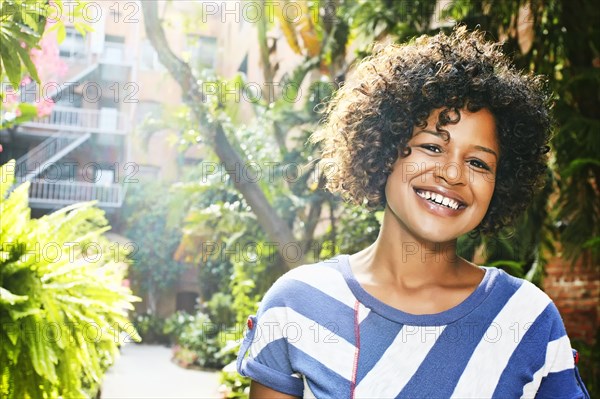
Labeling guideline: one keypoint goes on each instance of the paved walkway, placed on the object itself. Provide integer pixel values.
(146, 371)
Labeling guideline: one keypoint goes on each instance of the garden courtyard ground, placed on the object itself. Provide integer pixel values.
(146, 371)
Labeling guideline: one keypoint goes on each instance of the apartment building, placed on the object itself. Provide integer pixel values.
(79, 152)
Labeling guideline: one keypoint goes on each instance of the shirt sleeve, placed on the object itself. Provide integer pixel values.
(560, 377)
(268, 361)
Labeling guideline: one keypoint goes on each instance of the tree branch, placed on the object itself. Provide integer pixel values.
(179, 69)
(265, 51)
(273, 225)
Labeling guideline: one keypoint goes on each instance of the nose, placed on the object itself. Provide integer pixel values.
(452, 172)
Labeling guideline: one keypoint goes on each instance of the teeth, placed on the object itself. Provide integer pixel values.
(438, 198)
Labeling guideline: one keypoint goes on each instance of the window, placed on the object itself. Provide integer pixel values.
(114, 39)
(203, 51)
(149, 59)
(73, 47)
(114, 49)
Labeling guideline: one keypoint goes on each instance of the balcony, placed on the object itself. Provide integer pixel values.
(106, 120)
(44, 193)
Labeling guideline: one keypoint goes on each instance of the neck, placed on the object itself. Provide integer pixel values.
(399, 256)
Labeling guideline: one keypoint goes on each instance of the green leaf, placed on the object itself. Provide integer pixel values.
(12, 65)
(513, 267)
(16, 314)
(21, 33)
(26, 59)
(593, 242)
(61, 34)
(30, 21)
(7, 174)
(28, 111)
(8, 298)
(83, 28)
(42, 356)
(580, 163)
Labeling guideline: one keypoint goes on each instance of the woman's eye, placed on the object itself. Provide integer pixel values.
(480, 164)
(432, 148)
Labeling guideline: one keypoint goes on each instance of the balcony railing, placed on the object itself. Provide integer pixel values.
(46, 153)
(105, 120)
(49, 194)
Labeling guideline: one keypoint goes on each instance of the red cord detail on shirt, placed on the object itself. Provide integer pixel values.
(357, 350)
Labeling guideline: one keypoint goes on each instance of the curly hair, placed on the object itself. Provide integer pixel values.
(371, 118)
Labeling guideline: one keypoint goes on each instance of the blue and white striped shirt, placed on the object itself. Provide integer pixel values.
(319, 333)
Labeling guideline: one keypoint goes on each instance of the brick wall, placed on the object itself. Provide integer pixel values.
(576, 292)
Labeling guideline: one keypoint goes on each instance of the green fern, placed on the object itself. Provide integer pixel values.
(62, 305)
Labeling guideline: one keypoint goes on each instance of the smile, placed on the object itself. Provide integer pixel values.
(439, 199)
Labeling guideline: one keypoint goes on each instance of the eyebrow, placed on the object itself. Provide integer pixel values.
(485, 149)
(442, 136)
(437, 134)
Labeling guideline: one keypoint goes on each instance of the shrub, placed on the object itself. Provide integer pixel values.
(233, 385)
(63, 307)
(220, 309)
(174, 325)
(200, 342)
(151, 328)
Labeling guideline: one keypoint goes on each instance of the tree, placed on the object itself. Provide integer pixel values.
(276, 227)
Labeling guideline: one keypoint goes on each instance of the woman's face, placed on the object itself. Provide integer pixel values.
(444, 187)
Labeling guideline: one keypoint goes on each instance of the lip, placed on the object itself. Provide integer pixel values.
(440, 210)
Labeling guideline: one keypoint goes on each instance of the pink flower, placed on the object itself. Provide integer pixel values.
(44, 107)
(47, 59)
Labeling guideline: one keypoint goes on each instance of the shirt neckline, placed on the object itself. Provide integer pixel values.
(436, 319)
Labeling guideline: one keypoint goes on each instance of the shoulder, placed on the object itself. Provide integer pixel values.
(309, 284)
(525, 299)
(520, 288)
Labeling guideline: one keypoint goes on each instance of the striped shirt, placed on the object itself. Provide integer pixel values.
(318, 333)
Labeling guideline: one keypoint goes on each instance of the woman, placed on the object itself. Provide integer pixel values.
(449, 139)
